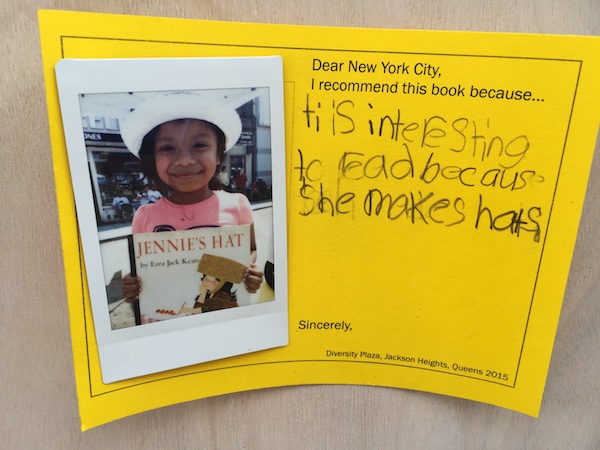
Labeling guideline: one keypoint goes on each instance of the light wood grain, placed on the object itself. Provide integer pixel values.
(37, 396)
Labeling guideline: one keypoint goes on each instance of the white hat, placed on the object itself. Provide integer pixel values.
(168, 106)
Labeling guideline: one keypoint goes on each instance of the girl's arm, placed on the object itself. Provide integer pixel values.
(131, 288)
(253, 277)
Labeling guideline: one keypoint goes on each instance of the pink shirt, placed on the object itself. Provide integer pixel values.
(221, 209)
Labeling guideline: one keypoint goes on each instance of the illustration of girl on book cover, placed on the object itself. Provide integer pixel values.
(181, 138)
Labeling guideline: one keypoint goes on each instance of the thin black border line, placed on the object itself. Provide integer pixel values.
(83, 306)
(64, 37)
(304, 361)
(277, 47)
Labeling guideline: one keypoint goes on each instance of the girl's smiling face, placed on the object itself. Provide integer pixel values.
(186, 158)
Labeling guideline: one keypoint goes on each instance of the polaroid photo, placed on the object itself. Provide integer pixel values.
(178, 172)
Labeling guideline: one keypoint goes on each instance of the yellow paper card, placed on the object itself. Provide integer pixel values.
(435, 184)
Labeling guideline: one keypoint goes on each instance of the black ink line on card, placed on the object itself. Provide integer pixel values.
(65, 38)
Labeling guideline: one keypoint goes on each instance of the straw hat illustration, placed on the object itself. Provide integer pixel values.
(224, 269)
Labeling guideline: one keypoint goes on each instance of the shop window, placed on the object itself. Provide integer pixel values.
(119, 186)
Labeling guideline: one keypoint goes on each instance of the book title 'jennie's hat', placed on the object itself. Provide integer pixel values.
(168, 106)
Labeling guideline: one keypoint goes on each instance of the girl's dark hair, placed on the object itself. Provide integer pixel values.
(147, 153)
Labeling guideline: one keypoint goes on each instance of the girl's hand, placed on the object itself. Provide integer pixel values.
(131, 288)
(252, 279)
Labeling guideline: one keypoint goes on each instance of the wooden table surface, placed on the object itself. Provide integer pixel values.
(38, 402)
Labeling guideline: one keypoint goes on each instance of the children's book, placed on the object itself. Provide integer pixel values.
(192, 271)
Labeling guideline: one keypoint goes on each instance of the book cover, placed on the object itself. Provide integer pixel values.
(192, 271)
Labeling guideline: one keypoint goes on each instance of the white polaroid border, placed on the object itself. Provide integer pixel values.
(156, 347)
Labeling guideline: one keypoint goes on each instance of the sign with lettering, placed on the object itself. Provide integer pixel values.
(246, 138)
(104, 137)
(435, 185)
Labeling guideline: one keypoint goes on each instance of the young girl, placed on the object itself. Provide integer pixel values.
(181, 139)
